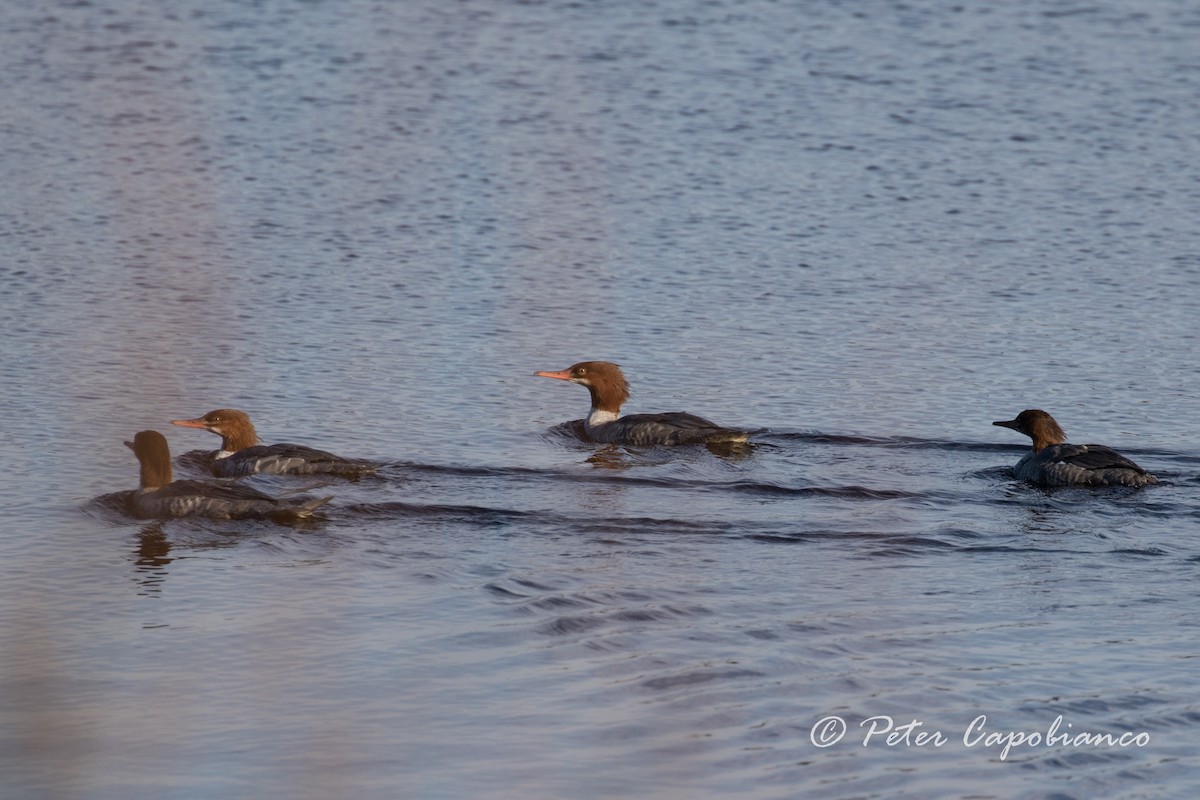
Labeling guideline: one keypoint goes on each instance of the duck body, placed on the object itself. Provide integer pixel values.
(284, 459)
(670, 428)
(1080, 465)
(1054, 462)
(218, 501)
(159, 497)
(609, 390)
(242, 452)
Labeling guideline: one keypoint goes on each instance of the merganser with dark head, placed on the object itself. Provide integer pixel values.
(1053, 462)
(610, 390)
(158, 496)
(242, 454)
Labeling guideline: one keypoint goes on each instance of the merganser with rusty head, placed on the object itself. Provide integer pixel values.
(158, 496)
(242, 453)
(1053, 462)
(610, 390)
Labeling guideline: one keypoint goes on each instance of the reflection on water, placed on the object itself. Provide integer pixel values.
(870, 229)
(152, 557)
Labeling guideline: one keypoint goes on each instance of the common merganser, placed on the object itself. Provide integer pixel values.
(242, 454)
(610, 390)
(158, 496)
(1053, 462)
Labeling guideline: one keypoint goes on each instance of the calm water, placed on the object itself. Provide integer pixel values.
(870, 227)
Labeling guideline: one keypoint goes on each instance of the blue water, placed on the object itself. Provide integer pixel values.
(869, 227)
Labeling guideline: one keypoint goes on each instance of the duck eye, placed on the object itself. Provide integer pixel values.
(581, 371)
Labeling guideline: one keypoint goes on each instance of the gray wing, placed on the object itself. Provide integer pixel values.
(286, 459)
(1091, 456)
(227, 501)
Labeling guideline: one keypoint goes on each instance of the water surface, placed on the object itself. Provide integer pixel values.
(871, 228)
